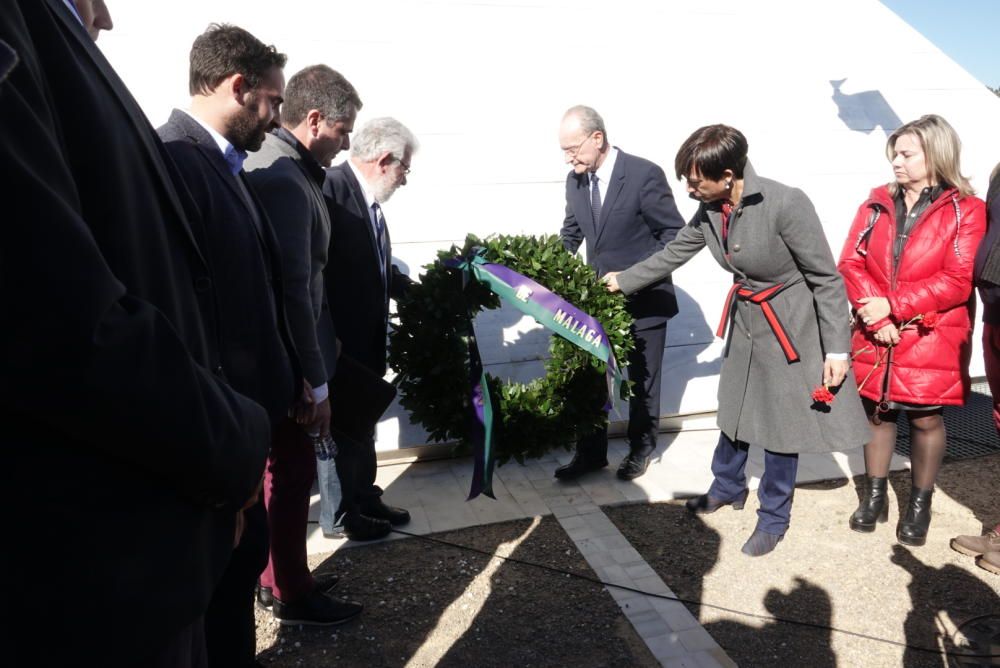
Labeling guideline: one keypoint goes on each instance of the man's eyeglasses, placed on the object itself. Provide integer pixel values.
(573, 150)
(406, 166)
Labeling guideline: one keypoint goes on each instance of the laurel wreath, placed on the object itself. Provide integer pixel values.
(429, 350)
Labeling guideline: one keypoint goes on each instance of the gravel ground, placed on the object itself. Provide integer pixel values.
(429, 604)
(823, 573)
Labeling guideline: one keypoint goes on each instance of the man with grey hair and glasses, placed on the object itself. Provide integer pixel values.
(621, 206)
(317, 118)
(360, 279)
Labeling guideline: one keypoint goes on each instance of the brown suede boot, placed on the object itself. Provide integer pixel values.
(990, 561)
(977, 545)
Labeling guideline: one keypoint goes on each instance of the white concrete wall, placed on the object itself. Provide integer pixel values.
(813, 86)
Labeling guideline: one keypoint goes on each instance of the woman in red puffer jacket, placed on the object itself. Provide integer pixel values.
(907, 265)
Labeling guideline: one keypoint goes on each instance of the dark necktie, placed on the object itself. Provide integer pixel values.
(595, 199)
(380, 238)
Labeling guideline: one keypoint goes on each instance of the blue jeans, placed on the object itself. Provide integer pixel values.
(777, 484)
(329, 494)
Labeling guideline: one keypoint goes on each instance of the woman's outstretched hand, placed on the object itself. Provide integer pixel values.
(611, 281)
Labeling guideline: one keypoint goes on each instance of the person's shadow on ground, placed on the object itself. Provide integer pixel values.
(778, 643)
(685, 550)
(939, 595)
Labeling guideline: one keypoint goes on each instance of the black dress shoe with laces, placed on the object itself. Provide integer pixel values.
(361, 527)
(317, 608)
(578, 466)
(324, 582)
(633, 466)
(391, 514)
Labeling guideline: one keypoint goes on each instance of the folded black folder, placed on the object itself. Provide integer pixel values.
(358, 398)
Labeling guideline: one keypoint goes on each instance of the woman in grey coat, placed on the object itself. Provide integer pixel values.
(788, 322)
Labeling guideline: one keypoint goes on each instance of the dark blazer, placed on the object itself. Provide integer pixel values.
(256, 347)
(354, 284)
(638, 218)
(289, 182)
(126, 455)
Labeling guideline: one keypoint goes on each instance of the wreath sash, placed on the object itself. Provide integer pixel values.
(552, 312)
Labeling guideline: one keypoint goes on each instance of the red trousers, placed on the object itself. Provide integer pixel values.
(288, 479)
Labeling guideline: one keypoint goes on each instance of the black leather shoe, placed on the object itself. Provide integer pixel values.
(318, 608)
(391, 514)
(633, 466)
(705, 504)
(324, 582)
(874, 506)
(361, 527)
(912, 529)
(578, 466)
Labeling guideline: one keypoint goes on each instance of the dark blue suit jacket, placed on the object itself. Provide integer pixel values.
(638, 218)
(354, 288)
(257, 353)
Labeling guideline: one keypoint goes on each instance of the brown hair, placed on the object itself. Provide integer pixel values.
(322, 88)
(224, 50)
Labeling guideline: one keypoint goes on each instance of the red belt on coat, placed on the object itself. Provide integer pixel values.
(760, 298)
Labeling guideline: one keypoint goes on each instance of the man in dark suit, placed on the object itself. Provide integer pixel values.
(621, 205)
(360, 278)
(140, 457)
(287, 174)
(236, 84)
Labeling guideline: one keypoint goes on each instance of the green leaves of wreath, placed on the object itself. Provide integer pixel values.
(429, 351)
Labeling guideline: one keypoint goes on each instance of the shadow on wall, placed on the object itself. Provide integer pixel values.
(688, 336)
(864, 111)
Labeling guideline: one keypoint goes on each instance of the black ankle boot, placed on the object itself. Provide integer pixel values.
(912, 529)
(874, 506)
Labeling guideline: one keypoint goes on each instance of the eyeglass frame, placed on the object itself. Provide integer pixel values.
(572, 151)
(406, 165)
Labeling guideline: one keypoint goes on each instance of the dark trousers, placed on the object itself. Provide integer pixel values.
(644, 365)
(288, 479)
(230, 629)
(777, 485)
(356, 468)
(185, 650)
(991, 358)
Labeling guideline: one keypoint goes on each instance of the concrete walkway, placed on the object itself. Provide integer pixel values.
(434, 492)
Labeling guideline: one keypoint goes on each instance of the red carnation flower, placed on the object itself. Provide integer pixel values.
(929, 320)
(822, 395)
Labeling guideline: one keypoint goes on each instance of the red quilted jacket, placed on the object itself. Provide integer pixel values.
(930, 364)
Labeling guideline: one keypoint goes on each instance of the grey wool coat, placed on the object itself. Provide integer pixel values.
(775, 237)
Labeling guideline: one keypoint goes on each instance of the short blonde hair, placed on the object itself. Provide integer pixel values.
(942, 152)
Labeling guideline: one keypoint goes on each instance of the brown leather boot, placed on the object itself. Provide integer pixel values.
(977, 545)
